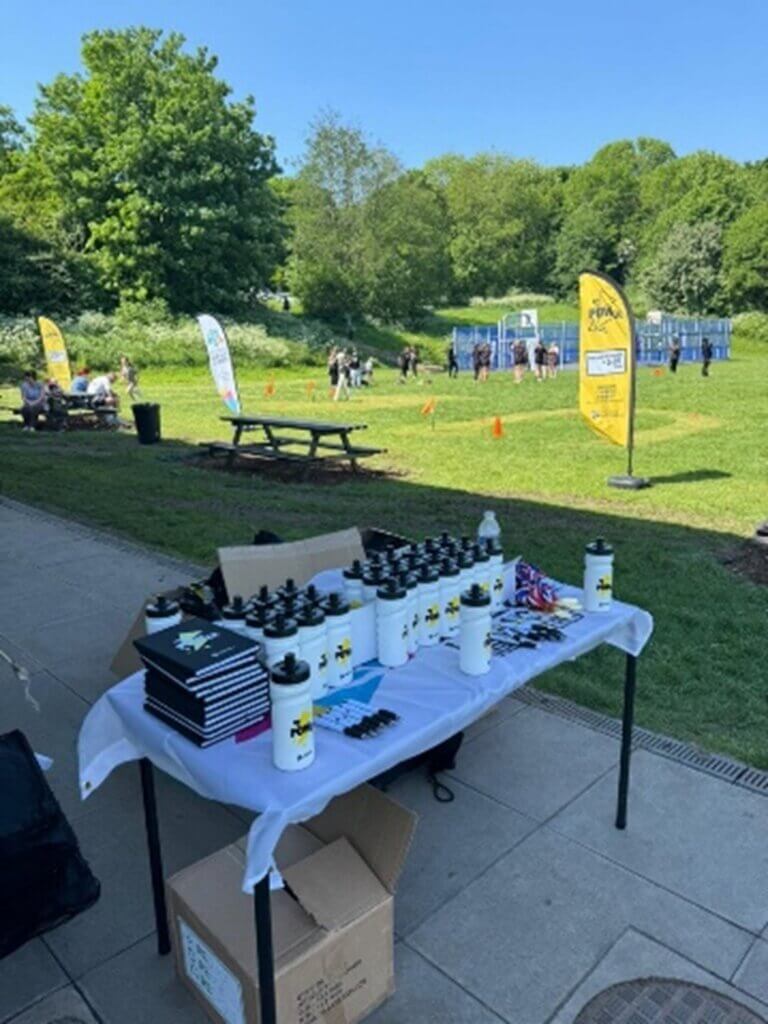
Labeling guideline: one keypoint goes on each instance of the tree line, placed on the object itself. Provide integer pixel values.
(142, 180)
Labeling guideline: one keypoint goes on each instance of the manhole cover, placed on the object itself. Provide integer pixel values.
(663, 1001)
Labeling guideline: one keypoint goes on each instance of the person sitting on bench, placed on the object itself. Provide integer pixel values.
(100, 390)
(80, 381)
(33, 400)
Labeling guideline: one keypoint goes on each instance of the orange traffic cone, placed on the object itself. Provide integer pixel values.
(269, 389)
(429, 407)
(497, 427)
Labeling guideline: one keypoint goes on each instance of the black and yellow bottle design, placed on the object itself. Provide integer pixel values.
(453, 609)
(498, 587)
(301, 728)
(432, 616)
(343, 653)
(605, 584)
(322, 665)
(487, 641)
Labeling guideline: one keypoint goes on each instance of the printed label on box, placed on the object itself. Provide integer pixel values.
(217, 983)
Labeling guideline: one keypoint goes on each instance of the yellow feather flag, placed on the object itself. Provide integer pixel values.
(56, 357)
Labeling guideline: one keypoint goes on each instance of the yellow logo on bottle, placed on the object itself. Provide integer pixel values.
(302, 728)
(453, 608)
(343, 651)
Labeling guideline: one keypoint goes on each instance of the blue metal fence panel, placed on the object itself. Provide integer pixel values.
(653, 340)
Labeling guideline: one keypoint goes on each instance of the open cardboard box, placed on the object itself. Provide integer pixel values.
(248, 567)
(333, 943)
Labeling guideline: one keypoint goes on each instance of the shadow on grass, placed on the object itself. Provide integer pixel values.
(702, 678)
(691, 476)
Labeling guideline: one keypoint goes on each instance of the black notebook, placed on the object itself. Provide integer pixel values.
(200, 710)
(195, 649)
(198, 738)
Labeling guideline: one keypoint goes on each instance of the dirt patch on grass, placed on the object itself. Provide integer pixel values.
(749, 560)
(290, 472)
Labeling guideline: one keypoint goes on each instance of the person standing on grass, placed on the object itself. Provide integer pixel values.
(404, 361)
(414, 361)
(539, 359)
(553, 359)
(342, 376)
(485, 362)
(333, 369)
(674, 354)
(520, 359)
(706, 356)
(453, 365)
(33, 400)
(130, 377)
(355, 369)
(476, 360)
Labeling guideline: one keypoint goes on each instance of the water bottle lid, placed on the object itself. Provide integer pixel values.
(427, 573)
(312, 595)
(280, 626)
(493, 546)
(445, 539)
(409, 580)
(466, 543)
(466, 559)
(480, 552)
(258, 616)
(235, 610)
(392, 590)
(599, 547)
(335, 605)
(475, 597)
(374, 575)
(161, 607)
(448, 567)
(310, 615)
(289, 588)
(290, 671)
(355, 571)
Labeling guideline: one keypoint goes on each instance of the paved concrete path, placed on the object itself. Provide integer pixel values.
(520, 901)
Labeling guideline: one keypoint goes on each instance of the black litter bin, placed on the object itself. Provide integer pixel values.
(146, 416)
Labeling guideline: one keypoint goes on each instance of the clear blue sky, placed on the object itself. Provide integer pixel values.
(549, 79)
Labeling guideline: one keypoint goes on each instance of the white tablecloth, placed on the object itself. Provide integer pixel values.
(432, 697)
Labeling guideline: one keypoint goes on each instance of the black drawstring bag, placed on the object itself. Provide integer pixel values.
(44, 879)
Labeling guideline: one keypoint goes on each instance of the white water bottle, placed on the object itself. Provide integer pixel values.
(450, 594)
(482, 573)
(233, 615)
(429, 606)
(411, 584)
(475, 632)
(489, 528)
(255, 621)
(372, 580)
(392, 624)
(496, 573)
(339, 623)
(281, 637)
(598, 576)
(353, 584)
(293, 737)
(466, 561)
(313, 647)
(162, 613)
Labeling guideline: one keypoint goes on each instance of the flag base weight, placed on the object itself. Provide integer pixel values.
(629, 483)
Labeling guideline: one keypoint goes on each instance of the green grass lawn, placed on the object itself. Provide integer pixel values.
(704, 675)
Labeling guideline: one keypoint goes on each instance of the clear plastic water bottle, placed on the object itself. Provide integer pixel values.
(489, 528)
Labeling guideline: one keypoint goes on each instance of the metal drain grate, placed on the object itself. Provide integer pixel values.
(721, 767)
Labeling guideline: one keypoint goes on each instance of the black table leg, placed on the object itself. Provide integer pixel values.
(155, 856)
(264, 952)
(630, 678)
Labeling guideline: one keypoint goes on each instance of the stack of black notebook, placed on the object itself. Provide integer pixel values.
(203, 680)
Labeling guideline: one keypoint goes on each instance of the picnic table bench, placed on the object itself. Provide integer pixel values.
(71, 409)
(322, 441)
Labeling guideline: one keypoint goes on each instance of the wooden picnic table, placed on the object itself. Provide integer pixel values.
(279, 434)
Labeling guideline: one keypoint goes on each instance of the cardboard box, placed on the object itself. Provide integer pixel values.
(246, 568)
(334, 943)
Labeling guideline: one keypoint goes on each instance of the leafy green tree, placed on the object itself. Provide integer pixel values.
(339, 172)
(745, 260)
(11, 139)
(695, 189)
(685, 275)
(602, 216)
(504, 215)
(158, 172)
(405, 252)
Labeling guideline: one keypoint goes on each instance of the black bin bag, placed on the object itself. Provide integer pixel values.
(44, 879)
